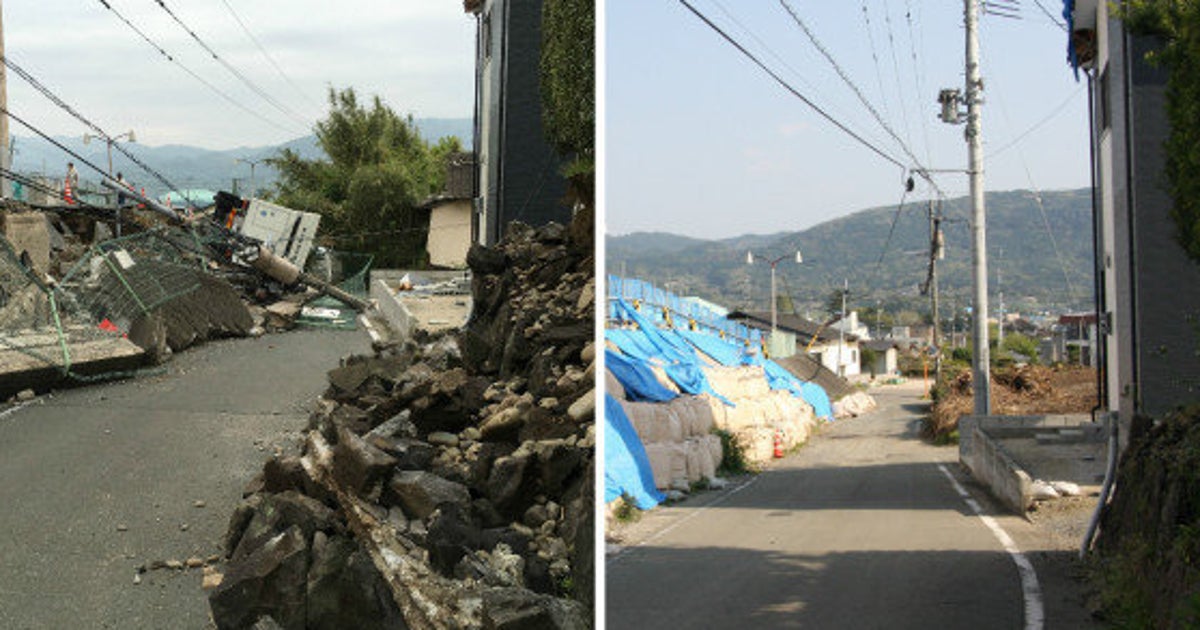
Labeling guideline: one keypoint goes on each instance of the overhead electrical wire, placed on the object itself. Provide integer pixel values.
(44, 136)
(887, 16)
(874, 55)
(189, 71)
(920, 168)
(787, 86)
(54, 98)
(778, 58)
(1057, 22)
(1050, 116)
(232, 70)
(919, 76)
(269, 58)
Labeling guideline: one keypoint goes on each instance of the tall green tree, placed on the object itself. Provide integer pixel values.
(377, 172)
(568, 88)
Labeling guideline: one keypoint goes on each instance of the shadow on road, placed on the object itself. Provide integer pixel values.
(661, 587)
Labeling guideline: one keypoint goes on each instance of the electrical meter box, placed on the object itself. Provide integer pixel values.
(287, 233)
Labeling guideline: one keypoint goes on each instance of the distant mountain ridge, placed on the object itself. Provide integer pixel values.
(193, 167)
(1035, 269)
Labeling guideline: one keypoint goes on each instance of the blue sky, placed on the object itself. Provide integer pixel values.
(701, 142)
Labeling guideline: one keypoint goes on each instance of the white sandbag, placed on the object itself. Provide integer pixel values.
(660, 456)
(715, 450)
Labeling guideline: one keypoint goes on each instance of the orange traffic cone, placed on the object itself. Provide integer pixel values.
(67, 196)
(778, 444)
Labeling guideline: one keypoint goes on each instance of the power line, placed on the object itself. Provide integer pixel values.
(787, 86)
(1053, 113)
(778, 58)
(265, 54)
(848, 81)
(919, 75)
(887, 16)
(228, 66)
(45, 91)
(1057, 22)
(209, 85)
(891, 231)
(47, 138)
(874, 55)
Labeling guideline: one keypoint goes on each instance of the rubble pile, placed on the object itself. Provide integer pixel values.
(1025, 390)
(445, 481)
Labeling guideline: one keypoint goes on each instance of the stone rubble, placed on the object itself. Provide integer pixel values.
(445, 482)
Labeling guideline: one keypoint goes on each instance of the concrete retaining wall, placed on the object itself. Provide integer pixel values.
(980, 451)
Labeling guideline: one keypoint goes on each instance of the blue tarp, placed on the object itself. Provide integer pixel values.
(729, 354)
(626, 467)
(665, 348)
(639, 382)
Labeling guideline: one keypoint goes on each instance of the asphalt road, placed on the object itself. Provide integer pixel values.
(858, 529)
(138, 455)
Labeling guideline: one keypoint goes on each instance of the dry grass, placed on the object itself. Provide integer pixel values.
(1028, 390)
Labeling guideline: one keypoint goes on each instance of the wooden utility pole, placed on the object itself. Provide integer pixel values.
(936, 249)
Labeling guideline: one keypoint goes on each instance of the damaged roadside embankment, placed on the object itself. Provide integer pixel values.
(1148, 564)
(445, 482)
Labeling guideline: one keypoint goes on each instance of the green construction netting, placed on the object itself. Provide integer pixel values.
(350, 272)
(84, 316)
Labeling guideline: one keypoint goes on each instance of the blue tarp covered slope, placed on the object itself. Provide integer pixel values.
(639, 382)
(665, 348)
(731, 354)
(626, 467)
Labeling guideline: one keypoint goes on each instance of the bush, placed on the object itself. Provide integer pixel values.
(733, 456)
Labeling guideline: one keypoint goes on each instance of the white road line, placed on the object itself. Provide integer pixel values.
(1035, 614)
(10, 411)
(668, 529)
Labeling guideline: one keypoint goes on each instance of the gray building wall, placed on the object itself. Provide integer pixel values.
(1150, 286)
(520, 174)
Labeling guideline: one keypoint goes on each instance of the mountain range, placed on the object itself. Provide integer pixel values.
(191, 167)
(1039, 254)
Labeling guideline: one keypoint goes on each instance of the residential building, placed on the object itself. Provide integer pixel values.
(836, 351)
(1148, 290)
(886, 357)
(518, 173)
(450, 212)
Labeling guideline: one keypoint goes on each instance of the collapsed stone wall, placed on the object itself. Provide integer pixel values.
(446, 482)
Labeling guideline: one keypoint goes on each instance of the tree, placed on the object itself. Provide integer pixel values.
(378, 171)
(567, 72)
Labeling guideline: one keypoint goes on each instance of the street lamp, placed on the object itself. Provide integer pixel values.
(773, 262)
(252, 164)
(87, 139)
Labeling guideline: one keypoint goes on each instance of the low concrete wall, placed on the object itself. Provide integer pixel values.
(991, 465)
(980, 451)
(392, 307)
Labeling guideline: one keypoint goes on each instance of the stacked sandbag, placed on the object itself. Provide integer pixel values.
(759, 413)
(678, 439)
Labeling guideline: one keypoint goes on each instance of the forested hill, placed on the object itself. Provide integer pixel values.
(1021, 252)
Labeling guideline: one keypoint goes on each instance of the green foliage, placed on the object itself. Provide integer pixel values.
(733, 457)
(367, 192)
(1022, 344)
(1177, 22)
(625, 510)
(962, 355)
(568, 81)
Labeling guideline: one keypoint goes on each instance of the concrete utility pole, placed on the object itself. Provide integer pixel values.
(981, 356)
(5, 156)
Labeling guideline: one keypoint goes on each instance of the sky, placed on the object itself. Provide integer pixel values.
(417, 55)
(701, 142)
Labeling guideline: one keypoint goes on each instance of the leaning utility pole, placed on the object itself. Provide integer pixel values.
(5, 155)
(981, 356)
